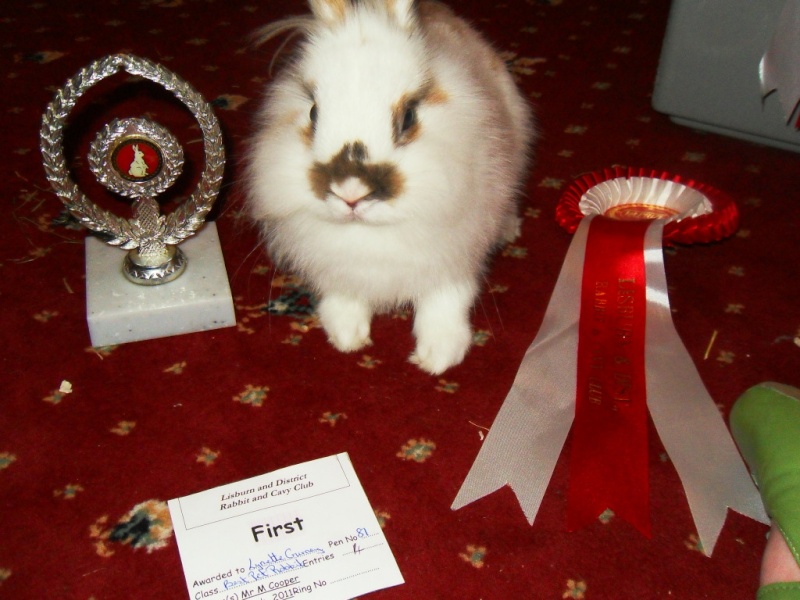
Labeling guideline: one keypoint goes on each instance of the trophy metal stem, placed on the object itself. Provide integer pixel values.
(138, 269)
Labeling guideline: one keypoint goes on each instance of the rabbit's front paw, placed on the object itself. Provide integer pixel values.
(438, 354)
(346, 322)
(442, 329)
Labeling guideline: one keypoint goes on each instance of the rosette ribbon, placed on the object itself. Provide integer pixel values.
(607, 352)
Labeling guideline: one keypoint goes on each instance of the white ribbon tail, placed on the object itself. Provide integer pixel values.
(691, 427)
(527, 436)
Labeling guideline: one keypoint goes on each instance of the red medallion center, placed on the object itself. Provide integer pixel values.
(137, 159)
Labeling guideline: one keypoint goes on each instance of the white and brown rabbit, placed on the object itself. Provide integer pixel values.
(386, 166)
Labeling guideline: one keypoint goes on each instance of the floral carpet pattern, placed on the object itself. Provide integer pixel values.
(94, 441)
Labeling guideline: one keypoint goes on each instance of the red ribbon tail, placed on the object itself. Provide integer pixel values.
(609, 462)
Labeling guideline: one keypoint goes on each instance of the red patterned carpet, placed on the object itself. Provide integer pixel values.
(84, 476)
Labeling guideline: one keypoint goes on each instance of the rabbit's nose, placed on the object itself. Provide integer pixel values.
(351, 189)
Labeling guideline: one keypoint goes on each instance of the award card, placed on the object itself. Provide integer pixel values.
(303, 531)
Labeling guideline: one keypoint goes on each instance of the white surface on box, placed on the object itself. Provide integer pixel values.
(708, 75)
(119, 311)
(779, 65)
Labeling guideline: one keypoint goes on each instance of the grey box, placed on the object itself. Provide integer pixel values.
(708, 75)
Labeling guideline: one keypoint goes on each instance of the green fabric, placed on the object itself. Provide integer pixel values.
(765, 422)
(779, 591)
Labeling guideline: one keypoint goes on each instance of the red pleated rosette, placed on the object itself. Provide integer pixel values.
(607, 355)
(695, 212)
(619, 209)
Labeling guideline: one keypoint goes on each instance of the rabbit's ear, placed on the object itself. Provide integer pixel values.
(329, 11)
(403, 11)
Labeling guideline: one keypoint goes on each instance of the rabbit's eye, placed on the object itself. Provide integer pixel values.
(313, 114)
(406, 121)
(409, 118)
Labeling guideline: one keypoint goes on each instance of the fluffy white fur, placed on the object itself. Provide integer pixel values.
(429, 245)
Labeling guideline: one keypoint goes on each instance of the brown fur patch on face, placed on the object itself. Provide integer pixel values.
(307, 134)
(406, 124)
(383, 179)
(308, 130)
(407, 127)
(436, 95)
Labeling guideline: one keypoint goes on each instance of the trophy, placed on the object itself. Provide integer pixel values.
(158, 289)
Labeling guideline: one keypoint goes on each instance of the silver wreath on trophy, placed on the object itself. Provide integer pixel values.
(139, 159)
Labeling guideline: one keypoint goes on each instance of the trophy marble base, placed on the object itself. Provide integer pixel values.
(119, 311)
